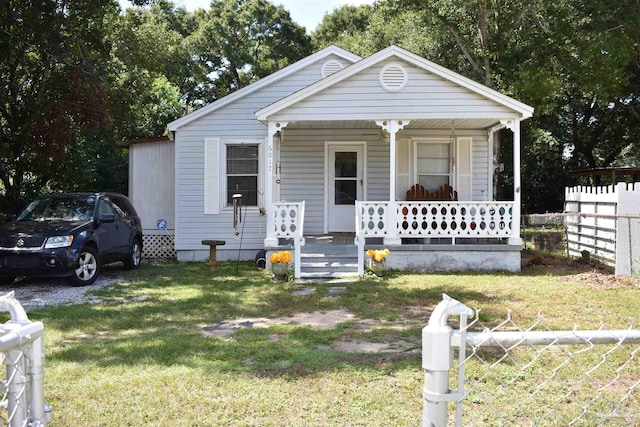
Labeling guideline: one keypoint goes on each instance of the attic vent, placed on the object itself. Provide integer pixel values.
(330, 67)
(393, 77)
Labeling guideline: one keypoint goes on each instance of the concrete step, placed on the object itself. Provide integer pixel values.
(328, 262)
(327, 275)
(341, 263)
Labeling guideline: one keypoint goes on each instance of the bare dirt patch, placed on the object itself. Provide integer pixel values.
(319, 320)
(589, 274)
(598, 280)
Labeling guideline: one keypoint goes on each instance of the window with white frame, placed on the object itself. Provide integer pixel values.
(433, 159)
(242, 173)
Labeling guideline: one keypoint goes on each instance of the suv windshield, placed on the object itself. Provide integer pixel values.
(59, 208)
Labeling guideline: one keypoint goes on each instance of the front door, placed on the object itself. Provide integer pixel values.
(345, 186)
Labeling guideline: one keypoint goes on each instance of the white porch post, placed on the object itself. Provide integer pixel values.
(393, 127)
(515, 239)
(270, 177)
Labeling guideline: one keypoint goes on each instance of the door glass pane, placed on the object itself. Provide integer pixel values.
(346, 164)
(345, 192)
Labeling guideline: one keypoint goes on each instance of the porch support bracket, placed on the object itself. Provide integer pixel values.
(272, 155)
(393, 127)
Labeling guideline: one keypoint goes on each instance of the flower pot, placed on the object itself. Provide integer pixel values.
(377, 267)
(280, 270)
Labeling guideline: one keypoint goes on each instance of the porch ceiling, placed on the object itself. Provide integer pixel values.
(415, 124)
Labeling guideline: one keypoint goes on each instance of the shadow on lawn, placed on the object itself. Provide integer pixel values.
(157, 317)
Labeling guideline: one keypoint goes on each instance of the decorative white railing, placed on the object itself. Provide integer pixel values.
(288, 219)
(288, 224)
(434, 219)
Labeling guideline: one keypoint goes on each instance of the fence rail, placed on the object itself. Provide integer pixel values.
(509, 375)
(22, 353)
(605, 222)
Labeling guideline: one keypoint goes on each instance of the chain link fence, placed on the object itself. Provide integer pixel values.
(22, 354)
(514, 375)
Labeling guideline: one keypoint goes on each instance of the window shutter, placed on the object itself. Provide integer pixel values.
(211, 176)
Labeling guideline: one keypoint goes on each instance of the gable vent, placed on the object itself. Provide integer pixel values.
(330, 67)
(393, 77)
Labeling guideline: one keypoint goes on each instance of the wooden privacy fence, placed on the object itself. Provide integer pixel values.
(606, 224)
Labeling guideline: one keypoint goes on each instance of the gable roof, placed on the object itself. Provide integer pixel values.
(265, 81)
(524, 110)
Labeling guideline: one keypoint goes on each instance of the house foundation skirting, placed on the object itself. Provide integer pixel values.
(418, 258)
(221, 255)
(433, 258)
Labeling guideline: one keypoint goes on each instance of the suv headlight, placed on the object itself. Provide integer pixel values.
(58, 242)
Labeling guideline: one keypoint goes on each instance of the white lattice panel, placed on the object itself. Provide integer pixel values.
(158, 246)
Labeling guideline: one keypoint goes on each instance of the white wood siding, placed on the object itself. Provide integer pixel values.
(303, 167)
(151, 183)
(235, 121)
(302, 162)
(362, 97)
(480, 178)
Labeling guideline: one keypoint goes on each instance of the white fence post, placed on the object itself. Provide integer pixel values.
(437, 360)
(22, 343)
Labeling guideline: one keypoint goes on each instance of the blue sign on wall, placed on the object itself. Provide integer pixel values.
(161, 224)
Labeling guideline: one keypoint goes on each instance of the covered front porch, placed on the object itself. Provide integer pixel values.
(399, 152)
(422, 236)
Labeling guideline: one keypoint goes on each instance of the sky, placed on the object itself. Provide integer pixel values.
(308, 13)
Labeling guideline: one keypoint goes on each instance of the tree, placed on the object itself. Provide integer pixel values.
(570, 59)
(241, 41)
(346, 27)
(53, 86)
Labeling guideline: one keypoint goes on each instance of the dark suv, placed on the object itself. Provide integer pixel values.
(70, 235)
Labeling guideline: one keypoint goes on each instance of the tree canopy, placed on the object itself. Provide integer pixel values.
(575, 61)
(81, 77)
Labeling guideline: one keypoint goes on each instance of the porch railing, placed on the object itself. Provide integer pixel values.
(435, 219)
(288, 224)
(432, 220)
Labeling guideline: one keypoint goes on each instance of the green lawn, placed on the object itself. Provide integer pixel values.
(141, 358)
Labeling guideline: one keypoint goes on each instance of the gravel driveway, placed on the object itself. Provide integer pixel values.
(34, 293)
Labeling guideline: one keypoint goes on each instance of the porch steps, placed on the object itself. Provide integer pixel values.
(322, 262)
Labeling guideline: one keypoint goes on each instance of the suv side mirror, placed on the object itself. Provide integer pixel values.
(107, 218)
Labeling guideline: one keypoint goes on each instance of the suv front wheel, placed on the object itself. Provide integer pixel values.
(88, 268)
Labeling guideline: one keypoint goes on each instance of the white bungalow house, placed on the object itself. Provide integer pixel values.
(387, 151)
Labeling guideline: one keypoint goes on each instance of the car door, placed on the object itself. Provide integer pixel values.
(113, 234)
(126, 224)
